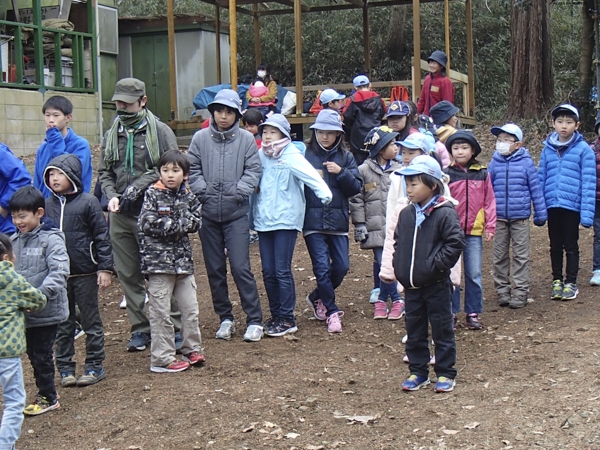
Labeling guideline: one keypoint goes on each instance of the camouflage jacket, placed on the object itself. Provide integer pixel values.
(163, 226)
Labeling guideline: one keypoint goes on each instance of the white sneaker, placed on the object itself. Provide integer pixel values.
(226, 329)
(405, 338)
(253, 333)
(123, 304)
(146, 299)
(374, 297)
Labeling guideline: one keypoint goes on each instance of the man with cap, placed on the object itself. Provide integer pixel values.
(363, 112)
(132, 147)
(225, 170)
(437, 86)
(332, 99)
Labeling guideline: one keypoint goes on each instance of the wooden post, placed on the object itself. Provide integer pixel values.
(470, 63)
(255, 21)
(298, 46)
(233, 44)
(218, 41)
(172, 71)
(416, 79)
(447, 31)
(366, 40)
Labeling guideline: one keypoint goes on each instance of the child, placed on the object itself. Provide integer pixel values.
(368, 210)
(225, 169)
(595, 281)
(326, 227)
(514, 176)
(41, 257)
(444, 114)
(567, 174)
(428, 242)
(437, 85)
(252, 118)
(60, 139)
(169, 214)
(263, 91)
(331, 99)
(399, 119)
(13, 175)
(279, 210)
(16, 297)
(79, 216)
(471, 186)
(362, 113)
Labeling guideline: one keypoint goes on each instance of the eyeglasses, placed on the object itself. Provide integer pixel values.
(505, 141)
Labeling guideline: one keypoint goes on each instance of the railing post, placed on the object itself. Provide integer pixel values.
(37, 42)
(91, 15)
(18, 54)
(58, 60)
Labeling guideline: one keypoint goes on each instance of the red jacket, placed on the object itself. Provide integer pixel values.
(437, 87)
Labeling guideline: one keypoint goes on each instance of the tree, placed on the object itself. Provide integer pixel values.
(531, 75)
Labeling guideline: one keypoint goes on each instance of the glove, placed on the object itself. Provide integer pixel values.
(131, 201)
(360, 232)
(539, 223)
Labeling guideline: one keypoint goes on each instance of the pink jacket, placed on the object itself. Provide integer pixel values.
(442, 152)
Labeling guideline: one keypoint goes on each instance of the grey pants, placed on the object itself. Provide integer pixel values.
(517, 232)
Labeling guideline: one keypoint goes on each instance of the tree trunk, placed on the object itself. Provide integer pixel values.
(396, 38)
(586, 71)
(532, 81)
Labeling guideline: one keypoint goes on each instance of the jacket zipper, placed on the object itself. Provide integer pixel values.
(506, 202)
(412, 257)
(467, 201)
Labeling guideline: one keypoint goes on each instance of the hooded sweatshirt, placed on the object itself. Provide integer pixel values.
(363, 112)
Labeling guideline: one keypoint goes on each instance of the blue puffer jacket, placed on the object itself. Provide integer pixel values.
(516, 185)
(13, 175)
(335, 216)
(568, 177)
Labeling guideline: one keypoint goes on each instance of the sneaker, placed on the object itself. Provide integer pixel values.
(503, 300)
(444, 384)
(123, 304)
(226, 329)
(473, 322)
(432, 360)
(253, 237)
(454, 322)
(397, 311)
(374, 297)
(253, 333)
(271, 321)
(68, 379)
(281, 328)
(518, 302)
(178, 342)
(557, 290)
(40, 406)
(405, 338)
(334, 322)
(318, 309)
(405, 359)
(570, 291)
(91, 377)
(138, 342)
(78, 332)
(595, 281)
(194, 358)
(175, 366)
(414, 383)
(380, 310)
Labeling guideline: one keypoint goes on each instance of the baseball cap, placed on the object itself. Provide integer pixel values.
(278, 121)
(423, 164)
(565, 107)
(328, 120)
(397, 108)
(129, 90)
(416, 141)
(361, 80)
(330, 95)
(509, 128)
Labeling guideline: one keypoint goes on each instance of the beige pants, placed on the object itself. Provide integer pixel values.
(181, 289)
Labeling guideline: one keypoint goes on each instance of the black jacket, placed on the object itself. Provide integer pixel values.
(424, 255)
(79, 216)
(364, 112)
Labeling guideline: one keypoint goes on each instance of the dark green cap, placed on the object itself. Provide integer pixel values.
(129, 90)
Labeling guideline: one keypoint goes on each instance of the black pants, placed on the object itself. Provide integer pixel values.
(83, 292)
(233, 236)
(563, 231)
(40, 341)
(431, 304)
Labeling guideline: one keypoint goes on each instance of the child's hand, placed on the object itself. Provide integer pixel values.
(104, 279)
(386, 280)
(489, 236)
(113, 205)
(332, 167)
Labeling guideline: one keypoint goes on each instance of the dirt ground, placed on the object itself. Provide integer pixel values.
(530, 379)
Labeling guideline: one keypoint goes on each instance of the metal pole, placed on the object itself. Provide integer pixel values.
(172, 71)
(233, 44)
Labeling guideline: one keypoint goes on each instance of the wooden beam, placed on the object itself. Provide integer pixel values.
(298, 48)
(233, 45)
(447, 31)
(172, 71)
(257, 50)
(226, 4)
(218, 42)
(416, 69)
(366, 40)
(357, 3)
(470, 62)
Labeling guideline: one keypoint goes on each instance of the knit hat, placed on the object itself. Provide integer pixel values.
(439, 57)
(465, 136)
(278, 121)
(330, 95)
(328, 120)
(397, 108)
(423, 164)
(378, 138)
(565, 107)
(361, 80)
(416, 141)
(509, 128)
(129, 90)
(442, 111)
(229, 98)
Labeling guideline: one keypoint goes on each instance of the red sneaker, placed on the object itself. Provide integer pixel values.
(194, 358)
(175, 366)
(380, 310)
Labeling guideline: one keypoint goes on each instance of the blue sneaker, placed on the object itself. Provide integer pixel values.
(91, 377)
(178, 342)
(374, 297)
(595, 281)
(414, 383)
(444, 384)
(138, 342)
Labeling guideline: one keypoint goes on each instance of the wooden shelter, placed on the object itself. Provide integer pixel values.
(258, 9)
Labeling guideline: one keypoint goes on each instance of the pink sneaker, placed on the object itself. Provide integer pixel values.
(334, 322)
(318, 309)
(397, 310)
(380, 310)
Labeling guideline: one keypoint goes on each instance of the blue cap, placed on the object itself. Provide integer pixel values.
(229, 98)
(565, 107)
(509, 128)
(278, 121)
(439, 57)
(423, 164)
(361, 80)
(330, 95)
(397, 108)
(416, 141)
(328, 120)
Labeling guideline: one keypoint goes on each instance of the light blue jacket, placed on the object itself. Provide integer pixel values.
(280, 202)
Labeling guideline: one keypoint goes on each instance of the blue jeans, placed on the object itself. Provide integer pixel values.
(386, 290)
(331, 262)
(13, 391)
(597, 237)
(473, 289)
(276, 252)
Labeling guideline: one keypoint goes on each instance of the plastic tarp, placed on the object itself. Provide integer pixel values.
(207, 95)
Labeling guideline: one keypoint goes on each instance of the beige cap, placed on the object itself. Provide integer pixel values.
(129, 90)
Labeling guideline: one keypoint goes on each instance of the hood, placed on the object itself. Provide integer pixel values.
(367, 100)
(552, 141)
(69, 165)
(300, 146)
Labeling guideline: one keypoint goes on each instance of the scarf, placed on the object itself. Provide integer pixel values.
(132, 123)
(274, 149)
(423, 212)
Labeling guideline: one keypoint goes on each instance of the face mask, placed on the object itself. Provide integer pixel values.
(261, 73)
(503, 148)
